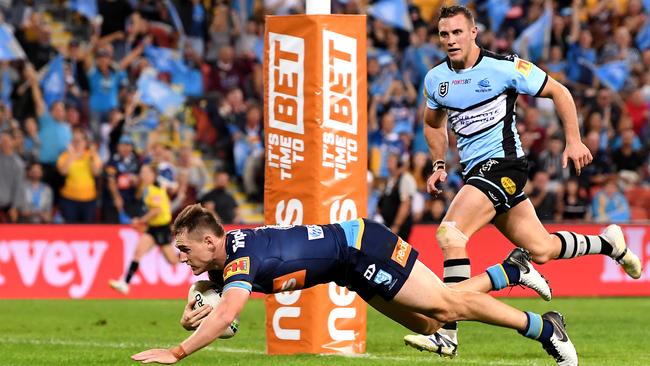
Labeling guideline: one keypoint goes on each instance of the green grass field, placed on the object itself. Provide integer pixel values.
(607, 331)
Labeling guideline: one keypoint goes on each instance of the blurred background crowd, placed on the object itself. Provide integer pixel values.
(109, 86)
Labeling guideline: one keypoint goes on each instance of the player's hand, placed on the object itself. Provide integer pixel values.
(157, 355)
(438, 176)
(191, 319)
(578, 153)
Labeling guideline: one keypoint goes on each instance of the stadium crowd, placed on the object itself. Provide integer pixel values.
(72, 153)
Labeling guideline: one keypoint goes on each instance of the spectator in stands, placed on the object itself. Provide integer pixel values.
(121, 177)
(12, 179)
(573, 206)
(436, 211)
(37, 207)
(542, 198)
(230, 72)
(221, 203)
(223, 27)
(608, 106)
(79, 165)
(627, 160)
(31, 140)
(595, 174)
(550, 161)
(115, 14)
(54, 131)
(195, 21)
(580, 50)
(197, 174)
(105, 81)
(395, 202)
(381, 139)
(610, 205)
(638, 109)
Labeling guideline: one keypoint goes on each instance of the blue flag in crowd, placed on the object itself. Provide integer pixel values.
(392, 12)
(53, 82)
(9, 47)
(87, 8)
(643, 37)
(535, 36)
(497, 10)
(168, 60)
(162, 59)
(613, 74)
(159, 95)
(6, 87)
(176, 19)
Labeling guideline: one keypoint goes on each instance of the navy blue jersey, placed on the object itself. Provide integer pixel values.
(272, 259)
(480, 104)
(360, 254)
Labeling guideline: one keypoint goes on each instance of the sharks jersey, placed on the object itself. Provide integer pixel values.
(480, 103)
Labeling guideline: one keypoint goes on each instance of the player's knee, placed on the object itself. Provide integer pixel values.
(446, 310)
(449, 236)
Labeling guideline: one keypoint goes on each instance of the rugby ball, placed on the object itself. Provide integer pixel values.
(206, 293)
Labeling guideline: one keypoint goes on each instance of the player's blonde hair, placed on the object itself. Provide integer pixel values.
(197, 219)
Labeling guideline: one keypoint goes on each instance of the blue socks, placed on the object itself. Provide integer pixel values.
(503, 275)
(537, 328)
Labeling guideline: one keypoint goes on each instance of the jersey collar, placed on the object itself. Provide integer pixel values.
(480, 57)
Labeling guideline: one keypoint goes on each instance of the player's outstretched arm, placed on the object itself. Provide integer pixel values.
(211, 327)
(435, 132)
(566, 109)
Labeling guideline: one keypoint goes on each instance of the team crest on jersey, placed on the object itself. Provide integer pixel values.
(443, 88)
(508, 185)
(314, 232)
(523, 67)
(238, 266)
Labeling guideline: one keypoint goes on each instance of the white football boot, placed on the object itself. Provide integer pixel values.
(559, 346)
(434, 343)
(621, 253)
(119, 286)
(528, 275)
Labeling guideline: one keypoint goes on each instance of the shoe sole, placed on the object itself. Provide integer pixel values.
(413, 343)
(630, 262)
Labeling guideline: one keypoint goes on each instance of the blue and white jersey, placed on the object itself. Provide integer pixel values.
(480, 103)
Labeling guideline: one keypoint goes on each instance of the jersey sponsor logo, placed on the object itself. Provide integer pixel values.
(486, 167)
(314, 232)
(443, 88)
(370, 271)
(238, 266)
(401, 252)
(523, 67)
(508, 185)
(290, 282)
(461, 81)
(239, 240)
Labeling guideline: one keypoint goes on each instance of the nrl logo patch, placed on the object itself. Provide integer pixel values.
(443, 88)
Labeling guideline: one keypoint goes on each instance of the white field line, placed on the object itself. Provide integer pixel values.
(143, 345)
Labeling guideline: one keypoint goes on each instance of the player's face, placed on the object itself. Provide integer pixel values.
(457, 35)
(198, 254)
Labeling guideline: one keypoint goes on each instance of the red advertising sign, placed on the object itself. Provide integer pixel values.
(593, 275)
(76, 261)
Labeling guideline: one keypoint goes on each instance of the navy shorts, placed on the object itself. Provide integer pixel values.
(162, 235)
(501, 180)
(379, 261)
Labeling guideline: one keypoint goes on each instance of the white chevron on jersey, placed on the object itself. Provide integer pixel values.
(471, 121)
